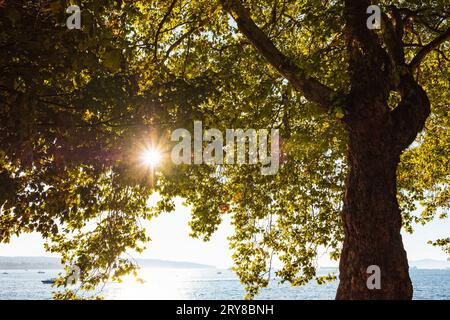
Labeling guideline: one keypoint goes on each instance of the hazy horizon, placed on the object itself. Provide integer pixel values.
(171, 242)
(4, 259)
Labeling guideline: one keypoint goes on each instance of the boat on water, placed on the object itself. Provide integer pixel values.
(41, 272)
(219, 272)
(5, 273)
(49, 281)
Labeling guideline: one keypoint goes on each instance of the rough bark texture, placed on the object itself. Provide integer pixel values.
(371, 215)
(372, 218)
(377, 137)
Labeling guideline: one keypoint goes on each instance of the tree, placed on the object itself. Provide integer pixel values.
(363, 116)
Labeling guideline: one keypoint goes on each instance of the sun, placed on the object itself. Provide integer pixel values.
(151, 157)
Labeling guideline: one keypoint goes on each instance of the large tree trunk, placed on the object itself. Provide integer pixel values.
(372, 218)
(377, 137)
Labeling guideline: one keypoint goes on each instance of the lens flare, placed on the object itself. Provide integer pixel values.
(151, 157)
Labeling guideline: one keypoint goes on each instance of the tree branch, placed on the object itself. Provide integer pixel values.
(410, 115)
(393, 39)
(392, 31)
(415, 62)
(311, 88)
(201, 23)
(161, 24)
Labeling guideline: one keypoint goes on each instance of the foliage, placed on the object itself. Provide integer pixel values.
(76, 105)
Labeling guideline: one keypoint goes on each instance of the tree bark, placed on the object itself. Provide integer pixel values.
(372, 218)
(371, 215)
(377, 137)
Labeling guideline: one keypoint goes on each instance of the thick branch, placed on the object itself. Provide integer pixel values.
(392, 34)
(410, 115)
(356, 20)
(367, 63)
(415, 62)
(311, 88)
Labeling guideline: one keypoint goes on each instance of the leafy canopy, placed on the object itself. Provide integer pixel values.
(76, 106)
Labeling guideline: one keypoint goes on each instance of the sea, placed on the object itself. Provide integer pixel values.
(209, 284)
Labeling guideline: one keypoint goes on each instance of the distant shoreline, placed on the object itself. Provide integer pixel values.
(48, 263)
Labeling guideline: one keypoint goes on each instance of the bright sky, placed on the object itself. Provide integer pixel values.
(171, 241)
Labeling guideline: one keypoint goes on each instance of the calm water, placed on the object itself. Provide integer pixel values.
(203, 284)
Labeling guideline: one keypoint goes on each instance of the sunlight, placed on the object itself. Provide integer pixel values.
(151, 157)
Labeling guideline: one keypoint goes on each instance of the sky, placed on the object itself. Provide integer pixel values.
(171, 241)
